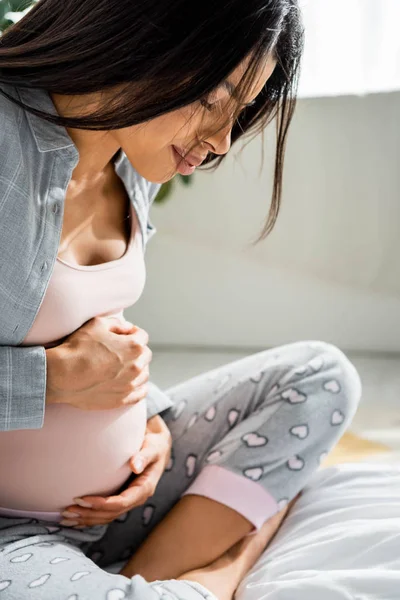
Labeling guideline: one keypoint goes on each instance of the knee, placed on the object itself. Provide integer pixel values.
(340, 377)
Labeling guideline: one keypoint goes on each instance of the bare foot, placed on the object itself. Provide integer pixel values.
(223, 576)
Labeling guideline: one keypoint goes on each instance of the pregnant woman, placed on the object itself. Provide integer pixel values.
(101, 101)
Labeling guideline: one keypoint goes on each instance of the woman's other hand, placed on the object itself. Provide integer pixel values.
(154, 456)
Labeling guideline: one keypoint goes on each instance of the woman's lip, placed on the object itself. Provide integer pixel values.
(182, 155)
(191, 159)
(182, 166)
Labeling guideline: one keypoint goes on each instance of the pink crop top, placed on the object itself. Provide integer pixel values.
(76, 452)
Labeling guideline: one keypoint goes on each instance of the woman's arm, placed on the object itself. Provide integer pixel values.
(102, 365)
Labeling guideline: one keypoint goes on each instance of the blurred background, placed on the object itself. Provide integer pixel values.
(331, 268)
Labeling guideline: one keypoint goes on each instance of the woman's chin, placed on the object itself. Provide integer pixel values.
(158, 176)
(161, 178)
(160, 171)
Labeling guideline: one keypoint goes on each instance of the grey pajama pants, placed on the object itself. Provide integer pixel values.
(260, 425)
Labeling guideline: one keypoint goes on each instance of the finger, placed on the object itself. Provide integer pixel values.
(97, 503)
(144, 358)
(144, 486)
(147, 455)
(108, 509)
(136, 395)
(140, 336)
(121, 502)
(79, 517)
(167, 457)
(143, 376)
(119, 326)
(155, 447)
(92, 521)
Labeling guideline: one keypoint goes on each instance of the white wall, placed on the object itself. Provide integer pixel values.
(331, 268)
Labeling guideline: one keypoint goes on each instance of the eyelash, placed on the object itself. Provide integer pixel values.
(210, 107)
(206, 105)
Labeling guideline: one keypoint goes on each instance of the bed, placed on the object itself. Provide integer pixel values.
(341, 540)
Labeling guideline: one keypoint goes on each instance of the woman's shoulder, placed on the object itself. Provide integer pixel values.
(10, 114)
(17, 143)
(6, 105)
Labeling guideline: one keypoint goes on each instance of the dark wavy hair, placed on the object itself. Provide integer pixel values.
(174, 53)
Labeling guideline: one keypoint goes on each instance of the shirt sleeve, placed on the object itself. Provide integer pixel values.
(157, 401)
(22, 387)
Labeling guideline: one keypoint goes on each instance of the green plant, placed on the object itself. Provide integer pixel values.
(17, 8)
(11, 11)
(166, 188)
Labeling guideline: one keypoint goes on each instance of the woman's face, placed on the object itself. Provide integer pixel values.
(155, 148)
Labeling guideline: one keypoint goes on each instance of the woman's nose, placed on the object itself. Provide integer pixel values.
(221, 141)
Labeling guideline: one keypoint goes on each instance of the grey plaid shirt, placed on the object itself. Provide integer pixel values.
(37, 159)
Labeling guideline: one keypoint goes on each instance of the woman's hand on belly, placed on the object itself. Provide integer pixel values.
(154, 456)
(102, 365)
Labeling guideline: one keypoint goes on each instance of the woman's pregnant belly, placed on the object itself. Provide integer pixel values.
(75, 453)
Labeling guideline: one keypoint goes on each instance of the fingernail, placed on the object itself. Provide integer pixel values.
(82, 503)
(139, 464)
(69, 523)
(69, 514)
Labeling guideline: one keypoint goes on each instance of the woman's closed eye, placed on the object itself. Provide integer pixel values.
(207, 105)
(211, 106)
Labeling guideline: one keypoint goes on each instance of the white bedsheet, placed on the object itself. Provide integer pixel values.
(341, 540)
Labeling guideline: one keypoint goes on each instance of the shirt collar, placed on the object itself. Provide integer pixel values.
(48, 136)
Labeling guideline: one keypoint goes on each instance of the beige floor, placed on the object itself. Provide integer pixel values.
(376, 425)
